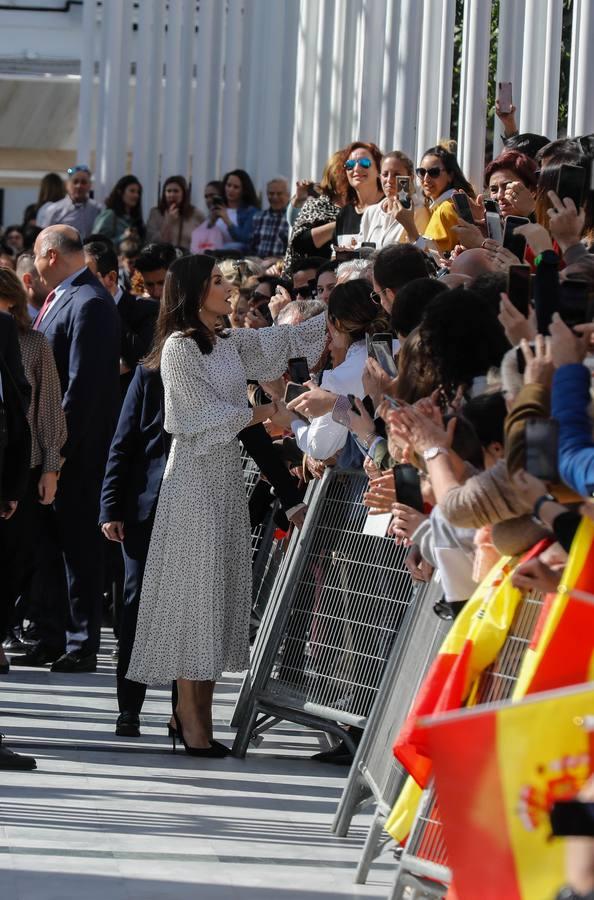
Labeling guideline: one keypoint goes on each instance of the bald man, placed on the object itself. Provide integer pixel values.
(80, 320)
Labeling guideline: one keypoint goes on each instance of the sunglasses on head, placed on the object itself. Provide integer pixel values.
(364, 162)
(74, 169)
(432, 172)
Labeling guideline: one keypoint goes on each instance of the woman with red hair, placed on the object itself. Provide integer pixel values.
(511, 180)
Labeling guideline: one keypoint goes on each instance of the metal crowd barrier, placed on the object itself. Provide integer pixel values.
(339, 602)
(423, 867)
(375, 776)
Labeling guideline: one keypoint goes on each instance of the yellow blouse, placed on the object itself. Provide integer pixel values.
(443, 217)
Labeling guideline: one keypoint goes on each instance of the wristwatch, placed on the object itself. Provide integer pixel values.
(544, 498)
(432, 452)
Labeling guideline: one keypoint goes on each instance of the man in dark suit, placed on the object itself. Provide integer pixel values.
(138, 315)
(80, 320)
(15, 458)
(137, 459)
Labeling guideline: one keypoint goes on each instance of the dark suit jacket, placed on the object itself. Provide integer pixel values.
(83, 329)
(15, 445)
(138, 316)
(138, 453)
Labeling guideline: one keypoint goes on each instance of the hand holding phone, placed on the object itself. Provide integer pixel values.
(515, 243)
(298, 370)
(504, 97)
(571, 183)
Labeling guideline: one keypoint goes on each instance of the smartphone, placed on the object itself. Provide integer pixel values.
(381, 350)
(541, 438)
(572, 818)
(520, 359)
(519, 285)
(462, 204)
(344, 254)
(494, 229)
(292, 391)
(575, 302)
(218, 201)
(403, 191)
(298, 370)
(311, 190)
(571, 182)
(351, 399)
(367, 249)
(491, 206)
(408, 486)
(504, 95)
(515, 243)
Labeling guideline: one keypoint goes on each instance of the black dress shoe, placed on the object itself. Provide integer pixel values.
(72, 662)
(128, 725)
(40, 655)
(13, 643)
(10, 761)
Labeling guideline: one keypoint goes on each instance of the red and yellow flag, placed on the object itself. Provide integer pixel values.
(498, 770)
(561, 652)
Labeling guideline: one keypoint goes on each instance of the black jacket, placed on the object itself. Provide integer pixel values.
(15, 435)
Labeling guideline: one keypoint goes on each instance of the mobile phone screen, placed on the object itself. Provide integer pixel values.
(504, 95)
(403, 190)
(292, 391)
(408, 486)
(542, 438)
(494, 229)
(298, 369)
(571, 183)
(518, 288)
(463, 209)
(492, 206)
(381, 349)
(572, 818)
(515, 243)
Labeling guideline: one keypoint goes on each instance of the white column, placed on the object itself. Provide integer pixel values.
(148, 98)
(407, 87)
(204, 144)
(540, 73)
(231, 153)
(510, 54)
(114, 85)
(473, 89)
(87, 80)
(435, 90)
(581, 109)
(320, 111)
(305, 89)
(347, 73)
(288, 87)
(179, 44)
(374, 36)
(389, 76)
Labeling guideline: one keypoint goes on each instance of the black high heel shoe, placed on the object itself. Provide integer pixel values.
(215, 751)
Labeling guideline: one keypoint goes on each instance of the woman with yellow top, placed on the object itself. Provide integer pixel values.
(440, 176)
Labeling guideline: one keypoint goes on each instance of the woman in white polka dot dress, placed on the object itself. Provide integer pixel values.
(193, 621)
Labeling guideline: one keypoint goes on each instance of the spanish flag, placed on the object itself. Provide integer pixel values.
(498, 770)
(562, 649)
(475, 639)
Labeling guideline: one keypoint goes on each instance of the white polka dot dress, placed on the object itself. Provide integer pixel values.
(193, 619)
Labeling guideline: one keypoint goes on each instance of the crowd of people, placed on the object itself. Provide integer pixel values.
(134, 354)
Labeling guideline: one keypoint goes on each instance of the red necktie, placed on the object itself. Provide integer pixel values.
(43, 309)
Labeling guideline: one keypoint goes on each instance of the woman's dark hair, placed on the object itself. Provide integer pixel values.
(352, 311)
(416, 376)
(549, 175)
(186, 208)
(466, 442)
(521, 165)
(407, 309)
(490, 285)
(14, 293)
(116, 203)
(397, 264)
(51, 189)
(376, 155)
(452, 167)
(219, 187)
(186, 286)
(330, 266)
(248, 191)
(487, 414)
(462, 337)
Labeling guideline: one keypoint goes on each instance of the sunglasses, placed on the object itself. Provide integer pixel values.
(74, 169)
(307, 291)
(350, 164)
(376, 296)
(433, 172)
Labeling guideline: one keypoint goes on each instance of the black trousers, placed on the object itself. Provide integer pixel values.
(19, 540)
(81, 541)
(135, 547)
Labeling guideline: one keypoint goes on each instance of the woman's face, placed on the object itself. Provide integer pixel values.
(497, 185)
(436, 182)
(361, 175)
(14, 239)
(239, 311)
(210, 192)
(131, 196)
(173, 194)
(325, 286)
(391, 170)
(218, 298)
(233, 190)
(386, 296)
(338, 345)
